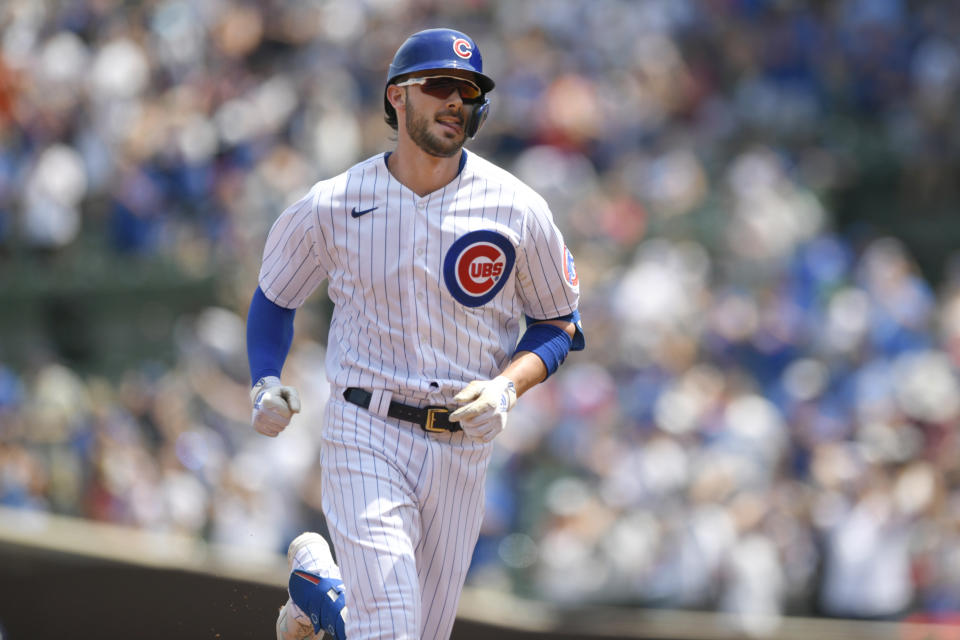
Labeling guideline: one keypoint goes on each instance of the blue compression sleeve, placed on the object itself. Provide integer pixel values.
(269, 336)
(549, 342)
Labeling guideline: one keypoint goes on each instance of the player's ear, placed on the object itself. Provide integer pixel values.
(396, 96)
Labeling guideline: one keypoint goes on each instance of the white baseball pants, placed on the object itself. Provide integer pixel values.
(404, 509)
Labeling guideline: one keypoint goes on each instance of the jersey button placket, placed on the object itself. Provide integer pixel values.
(421, 261)
(424, 297)
(417, 283)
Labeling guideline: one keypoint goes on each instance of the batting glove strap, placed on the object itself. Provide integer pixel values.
(261, 385)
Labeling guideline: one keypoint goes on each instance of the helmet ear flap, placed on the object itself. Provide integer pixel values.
(477, 117)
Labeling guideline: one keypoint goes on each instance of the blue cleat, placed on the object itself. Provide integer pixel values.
(316, 604)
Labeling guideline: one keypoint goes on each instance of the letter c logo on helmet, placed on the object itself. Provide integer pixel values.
(462, 48)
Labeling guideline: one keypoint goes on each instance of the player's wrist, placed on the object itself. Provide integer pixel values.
(505, 383)
(508, 390)
(261, 384)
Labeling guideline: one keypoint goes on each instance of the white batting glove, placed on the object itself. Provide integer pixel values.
(486, 414)
(273, 406)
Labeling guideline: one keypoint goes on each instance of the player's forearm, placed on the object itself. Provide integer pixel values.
(269, 336)
(527, 369)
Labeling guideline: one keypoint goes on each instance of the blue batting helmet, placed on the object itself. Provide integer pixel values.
(439, 49)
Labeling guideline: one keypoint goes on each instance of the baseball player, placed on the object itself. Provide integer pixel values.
(434, 258)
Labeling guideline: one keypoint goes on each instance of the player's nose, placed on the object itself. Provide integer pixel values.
(454, 99)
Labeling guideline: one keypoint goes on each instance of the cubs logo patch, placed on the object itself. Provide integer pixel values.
(463, 48)
(477, 266)
(569, 269)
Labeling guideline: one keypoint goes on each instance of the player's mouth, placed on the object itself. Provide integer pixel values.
(451, 123)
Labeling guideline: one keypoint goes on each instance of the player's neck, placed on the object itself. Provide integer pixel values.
(419, 171)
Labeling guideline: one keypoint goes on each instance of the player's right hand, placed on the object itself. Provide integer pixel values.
(273, 406)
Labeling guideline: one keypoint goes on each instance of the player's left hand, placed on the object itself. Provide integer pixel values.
(485, 415)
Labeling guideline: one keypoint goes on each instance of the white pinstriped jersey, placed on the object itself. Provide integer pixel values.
(428, 291)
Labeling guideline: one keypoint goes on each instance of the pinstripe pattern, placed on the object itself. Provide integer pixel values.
(405, 526)
(404, 507)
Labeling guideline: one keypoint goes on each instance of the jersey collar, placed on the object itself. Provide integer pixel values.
(463, 160)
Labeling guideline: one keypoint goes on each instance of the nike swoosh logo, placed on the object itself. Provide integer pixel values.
(357, 214)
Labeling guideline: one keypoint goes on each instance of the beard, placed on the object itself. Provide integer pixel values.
(418, 127)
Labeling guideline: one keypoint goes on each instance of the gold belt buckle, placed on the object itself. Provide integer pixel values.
(432, 416)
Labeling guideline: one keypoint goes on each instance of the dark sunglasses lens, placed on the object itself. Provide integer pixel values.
(441, 88)
(468, 91)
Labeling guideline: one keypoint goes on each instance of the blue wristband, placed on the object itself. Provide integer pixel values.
(579, 341)
(269, 336)
(549, 342)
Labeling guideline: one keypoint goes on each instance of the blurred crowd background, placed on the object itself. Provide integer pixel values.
(762, 197)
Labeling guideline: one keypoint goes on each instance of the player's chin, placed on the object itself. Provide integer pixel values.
(446, 147)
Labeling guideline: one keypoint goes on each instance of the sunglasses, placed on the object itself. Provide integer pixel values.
(441, 86)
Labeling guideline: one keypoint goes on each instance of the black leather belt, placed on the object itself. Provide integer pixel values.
(432, 419)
